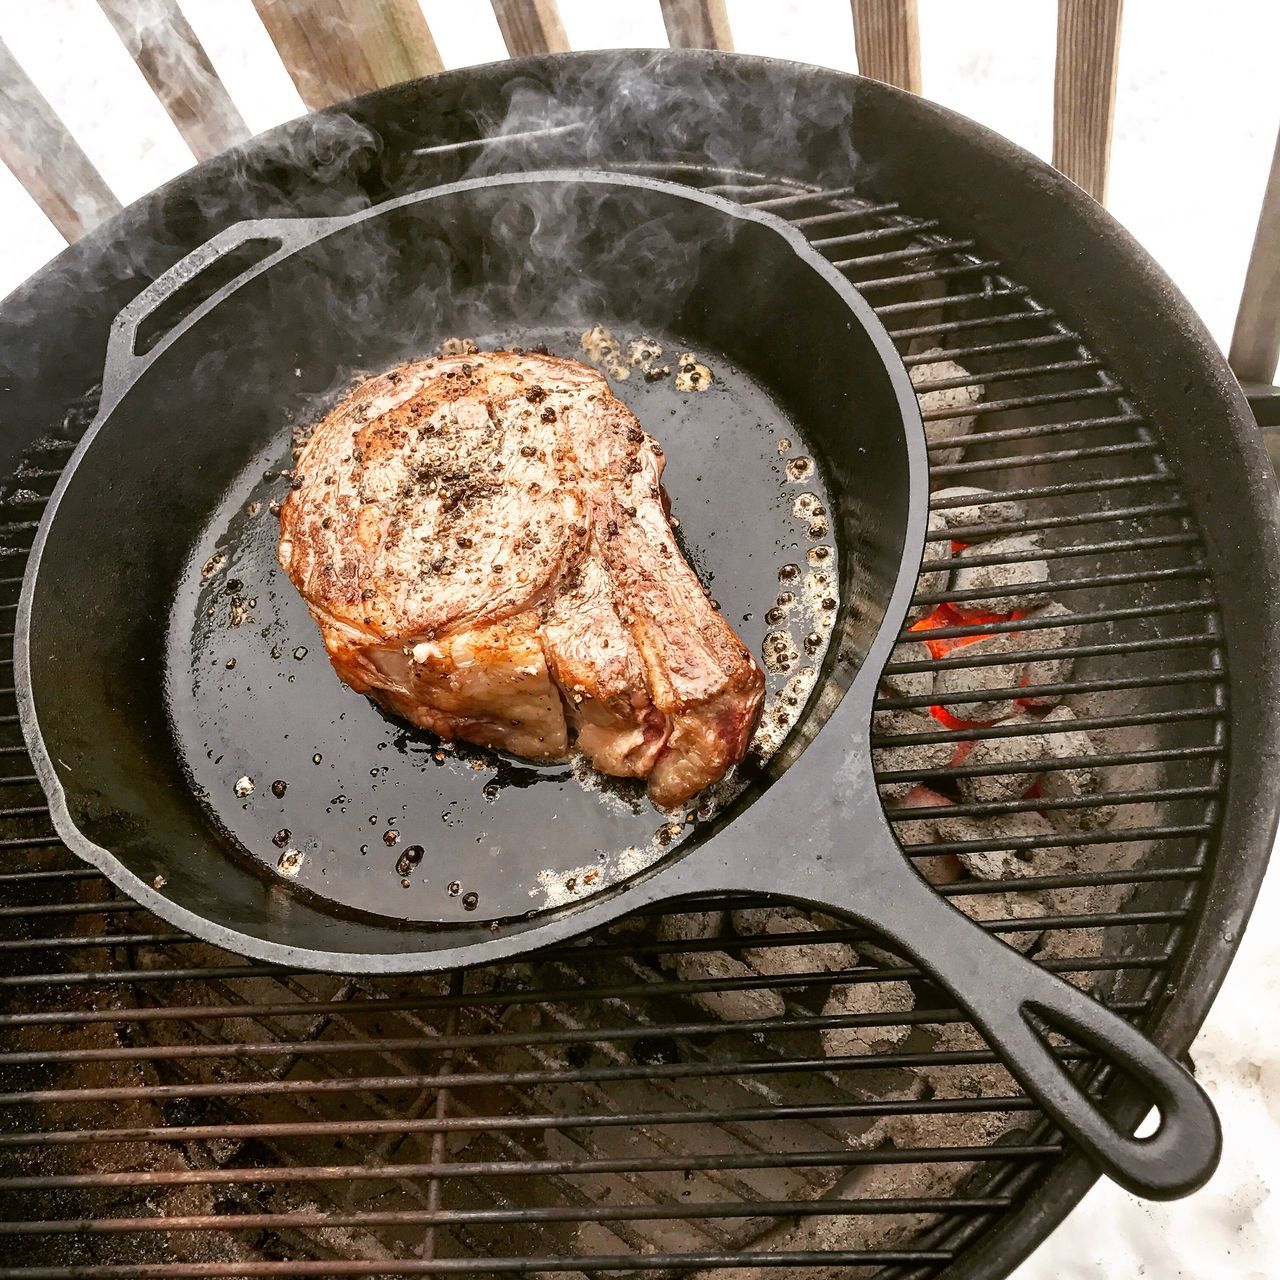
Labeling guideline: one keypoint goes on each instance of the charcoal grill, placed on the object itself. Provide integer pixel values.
(171, 1110)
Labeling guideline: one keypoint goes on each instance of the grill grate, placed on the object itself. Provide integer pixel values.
(169, 1110)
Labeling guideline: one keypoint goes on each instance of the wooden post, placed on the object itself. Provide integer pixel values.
(395, 38)
(1255, 344)
(1084, 90)
(46, 159)
(697, 24)
(336, 49)
(171, 57)
(530, 26)
(886, 34)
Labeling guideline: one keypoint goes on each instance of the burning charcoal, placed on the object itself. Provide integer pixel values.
(909, 755)
(976, 679)
(750, 920)
(930, 583)
(1072, 944)
(994, 787)
(844, 1229)
(1049, 670)
(908, 684)
(784, 959)
(1073, 784)
(966, 1079)
(874, 953)
(997, 864)
(953, 681)
(982, 1128)
(1006, 578)
(1019, 826)
(732, 1006)
(636, 923)
(949, 400)
(690, 926)
(866, 998)
(803, 957)
(918, 831)
(987, 866)
(988, 507)
(985, 907)
(945, 868)
(895, 1085)
(889, 1180)
(701, 966)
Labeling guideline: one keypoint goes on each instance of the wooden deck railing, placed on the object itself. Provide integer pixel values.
(335, 49)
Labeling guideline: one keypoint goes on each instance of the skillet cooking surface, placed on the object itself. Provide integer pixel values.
(490, 834)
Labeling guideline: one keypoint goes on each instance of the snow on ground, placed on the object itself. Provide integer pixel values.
(1230, 1230)
(1196, 117)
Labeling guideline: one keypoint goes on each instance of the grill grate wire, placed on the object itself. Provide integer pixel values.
(169, 1110)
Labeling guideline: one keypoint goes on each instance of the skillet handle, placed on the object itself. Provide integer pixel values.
(999, 988)
(281, 237)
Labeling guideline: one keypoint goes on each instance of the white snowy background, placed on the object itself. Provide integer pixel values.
(1197, 110)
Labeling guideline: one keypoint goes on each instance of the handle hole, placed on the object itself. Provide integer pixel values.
(202, 286)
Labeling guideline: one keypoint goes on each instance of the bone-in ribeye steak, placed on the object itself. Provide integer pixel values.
(483, 542)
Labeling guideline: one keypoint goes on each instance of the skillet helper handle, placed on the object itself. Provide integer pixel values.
(999, 989)
(280, 236)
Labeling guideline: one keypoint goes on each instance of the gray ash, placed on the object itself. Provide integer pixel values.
(1006, 580)
(987, 508)
(910, 756)
(949, 410)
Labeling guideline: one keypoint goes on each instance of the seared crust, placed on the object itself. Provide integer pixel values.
(433, 496)
(482, 541)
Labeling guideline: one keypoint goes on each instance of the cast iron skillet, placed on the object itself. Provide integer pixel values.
(153, 569)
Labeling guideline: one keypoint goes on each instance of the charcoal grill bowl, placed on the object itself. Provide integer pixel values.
(97, 618)
(820, 129)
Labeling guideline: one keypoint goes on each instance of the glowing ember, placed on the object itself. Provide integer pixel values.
(945, 617)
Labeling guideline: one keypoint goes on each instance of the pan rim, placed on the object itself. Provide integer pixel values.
(573, 920)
